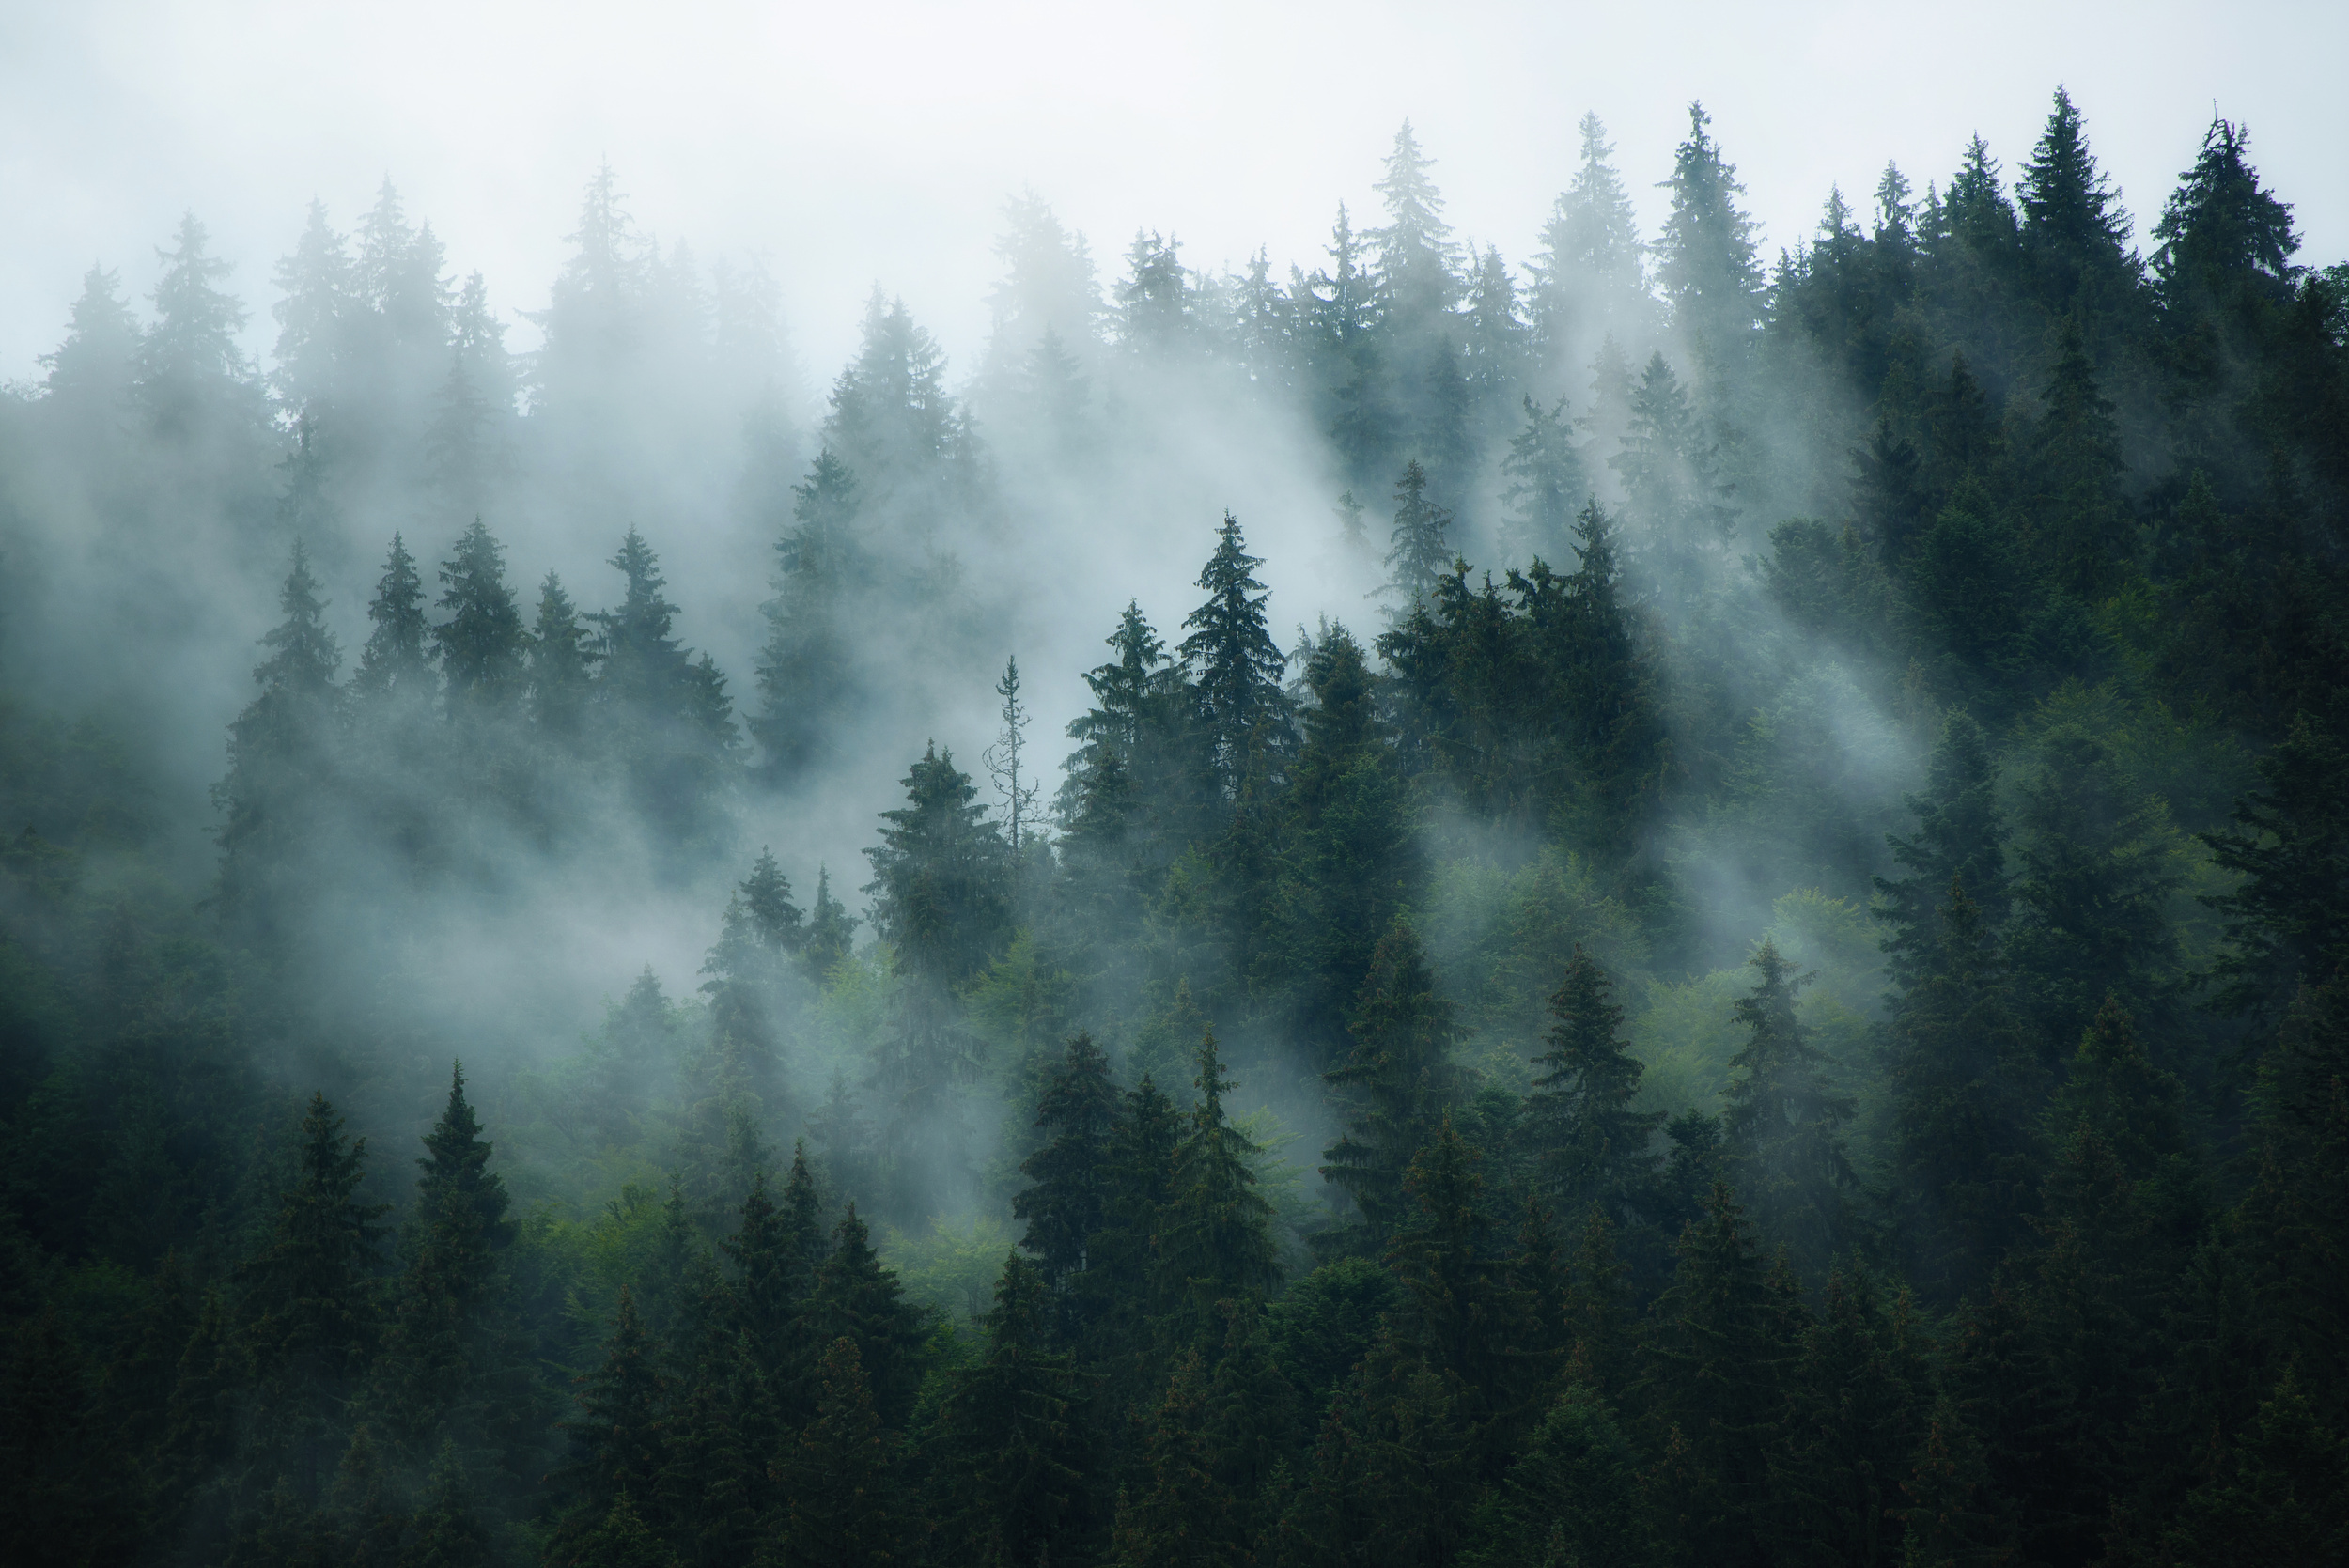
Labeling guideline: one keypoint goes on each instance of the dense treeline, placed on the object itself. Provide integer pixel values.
(1807, 927)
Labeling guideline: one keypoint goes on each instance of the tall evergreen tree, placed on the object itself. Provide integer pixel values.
(1238, 666)
(482, 644)
(1588, 1147)
(281, 761)
(1782, 1127)
(1418, 553)
(1399, 1081)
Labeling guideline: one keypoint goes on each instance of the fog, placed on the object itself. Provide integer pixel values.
(852, 144)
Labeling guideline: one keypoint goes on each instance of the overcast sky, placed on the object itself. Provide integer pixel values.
(854, 144)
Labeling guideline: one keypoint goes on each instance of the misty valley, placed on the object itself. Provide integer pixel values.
(1646, 906)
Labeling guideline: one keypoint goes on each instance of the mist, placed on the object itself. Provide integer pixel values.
(971, 731)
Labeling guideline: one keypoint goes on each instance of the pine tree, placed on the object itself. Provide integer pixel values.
(1546, 483)
(307, 1318)
(1418, 553)
(858, 1300)
(1399, 1081)
(1719, 1363)
(482, 644)
(1782, 1127)
(805, 673)
(1588, 1147)
(2288, 920)
(561, 662)
(1960, 834)
(1963, 1081)
(1213, 1243)
(1237, 678)
(192, 379)
(1010, 1451)
(281, 762)
(1066, 1205)
(841, 1476)
(1589, 282)
(1706, 260)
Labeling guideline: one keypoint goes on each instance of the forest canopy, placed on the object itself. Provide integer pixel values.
(1767, 983)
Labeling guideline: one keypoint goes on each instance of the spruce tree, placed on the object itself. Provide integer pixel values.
(1011, 1453)
(482, 644)
(561, 661)
(1348, 858)
(396, 663)
(1961, 834)
(1066, 1206)
(1964, 1082)
(450, 1355)
(1590, 276)
(1588, 1147)
(308, 1322)
(1706, 258)
(841, 1476)
(1214, 1242)
(192, 379)
(281, 761)
(1232, 658)
(2092, 891)
(619, 1440)
(1399, 1082)
(1546, 484)
(1418, 553)
(1781, 1129)
(1719, 1363)
(805, 671)
(858, 1300)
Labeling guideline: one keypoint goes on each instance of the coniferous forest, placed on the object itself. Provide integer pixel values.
(1754, 974)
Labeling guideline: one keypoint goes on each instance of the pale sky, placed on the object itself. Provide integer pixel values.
(854, 144)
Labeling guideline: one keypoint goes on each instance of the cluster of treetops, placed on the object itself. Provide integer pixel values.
(2045, 1269)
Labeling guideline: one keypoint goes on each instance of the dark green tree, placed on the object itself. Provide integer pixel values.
(482, 644)
(1399, 1083)
(1781, 1129)
(1234, 664)
(1588, 1145)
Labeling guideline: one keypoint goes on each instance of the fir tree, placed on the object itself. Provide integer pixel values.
(1418, 553)
(841, 1476)
(1590, 1147)
(482, 644)
(1399, 1081)
(1213, 1243)
(396, 663)
(1706, 260)
(561, 662)
(1238, 666)
(1782, 1127)
(1011, 1453)
(281, 760)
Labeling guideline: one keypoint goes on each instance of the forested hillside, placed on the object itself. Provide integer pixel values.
(1747, 964)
